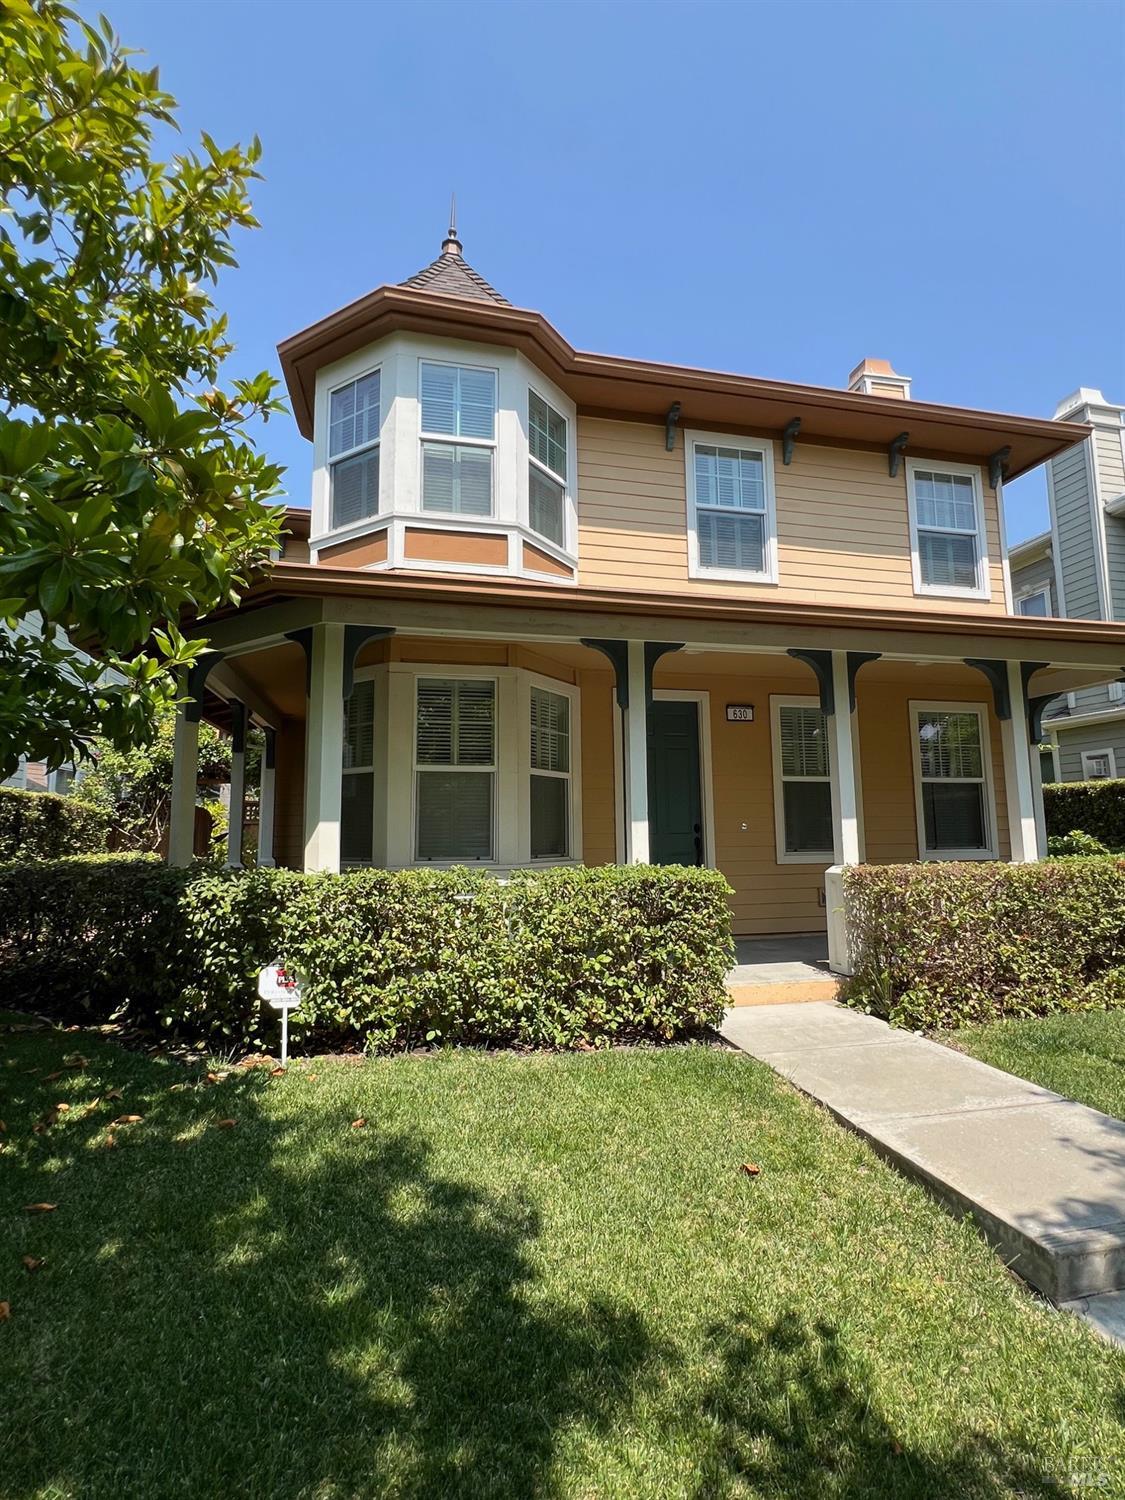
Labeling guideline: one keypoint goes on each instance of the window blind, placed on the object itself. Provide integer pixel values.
(949, 745)
(355, 488)
(456, 722)
(951, 758)
(359, 726)
(946, 516)
(550, 731)
(353, 416)
(455, 480)
(733, 477)
(547, 434)
(545, 505)
(731, 541)
(459, 400)
(806, 790)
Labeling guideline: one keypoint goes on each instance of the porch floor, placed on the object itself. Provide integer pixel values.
(781, 970)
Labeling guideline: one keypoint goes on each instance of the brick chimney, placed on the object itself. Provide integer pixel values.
(875, 377)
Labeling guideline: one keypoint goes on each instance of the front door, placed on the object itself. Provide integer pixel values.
(675, 804)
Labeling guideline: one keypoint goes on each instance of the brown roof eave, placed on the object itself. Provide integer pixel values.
(298, 580)
(643, 390)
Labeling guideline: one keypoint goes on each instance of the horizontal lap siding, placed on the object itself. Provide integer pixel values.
(1093, 737)
(1033, 576)
(843, 527)
(599, 808)
(1074, 528)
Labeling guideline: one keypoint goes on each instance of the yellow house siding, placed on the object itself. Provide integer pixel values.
(599, 806)
(842, 521)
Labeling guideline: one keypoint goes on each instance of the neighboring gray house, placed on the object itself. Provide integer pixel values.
(1078, 569)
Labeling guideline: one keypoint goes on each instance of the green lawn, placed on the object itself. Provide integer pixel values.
(1082, 1056)
(538, 1276)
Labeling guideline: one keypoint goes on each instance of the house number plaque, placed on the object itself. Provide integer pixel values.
(740, 713)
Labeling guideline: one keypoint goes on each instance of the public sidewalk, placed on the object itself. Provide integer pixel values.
(1042, 1176)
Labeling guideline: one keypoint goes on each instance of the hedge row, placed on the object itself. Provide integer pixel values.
(41, 825)
(557, 958)
(939, 944)
(1093, 807)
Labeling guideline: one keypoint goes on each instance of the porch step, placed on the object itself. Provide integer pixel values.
(783, 991)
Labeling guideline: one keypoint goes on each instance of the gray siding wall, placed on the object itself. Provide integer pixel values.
(1109, 450)
(1032, 577)
(1072, 742)
(1077, 560)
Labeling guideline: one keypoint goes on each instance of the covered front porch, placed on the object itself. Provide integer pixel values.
(418, 732)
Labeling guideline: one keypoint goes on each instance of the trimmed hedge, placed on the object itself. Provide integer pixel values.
(560, 958)
(945, 945)
(1093, 807)
(41, 825)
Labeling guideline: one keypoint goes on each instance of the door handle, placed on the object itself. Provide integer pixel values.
(698, 832)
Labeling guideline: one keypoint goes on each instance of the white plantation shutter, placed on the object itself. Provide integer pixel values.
(550, 731)
(359, 726)
(547, 434)
(459, 401)
(456, 480)
(353, 418)
(731, 541)
(948, 536)
(950, 745)
(357, 800)
(353, 445)
(545, 502)
(355, 488)
(729, 477)
(804, 741)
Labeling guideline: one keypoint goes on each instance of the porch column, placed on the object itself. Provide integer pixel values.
(846, 832)
(185, 774)
(636, 757)
(1016, 741)
(237, 809)
(324, 747)
(265, 800)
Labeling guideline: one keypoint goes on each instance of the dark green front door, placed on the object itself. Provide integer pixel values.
(675, 809)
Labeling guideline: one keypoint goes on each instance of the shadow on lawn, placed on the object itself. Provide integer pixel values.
(238, 1311)
(792, 1420)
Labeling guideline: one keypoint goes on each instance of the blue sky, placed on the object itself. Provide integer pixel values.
(773, 189)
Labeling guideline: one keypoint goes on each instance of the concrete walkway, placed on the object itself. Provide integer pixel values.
(1042, 1176)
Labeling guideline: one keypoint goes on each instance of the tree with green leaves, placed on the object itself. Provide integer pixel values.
(130, 489)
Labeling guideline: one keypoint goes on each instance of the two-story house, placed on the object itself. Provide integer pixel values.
(556, 606)
(1078, 569)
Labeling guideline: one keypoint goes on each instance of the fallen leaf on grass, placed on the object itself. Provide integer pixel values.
(113, 1093)
(751, 1169)
(61, 1109)
(358, 1124)
(225, 1124)
(3, 1127)
(39, 1208)
(276, 1072)
(50, 1077)
(310, 1077)
(92, 1106)
(127, 1120)
(215, 1077)
(110, 1140)
(32, 1263)
(76, 1060)
(5, 1311)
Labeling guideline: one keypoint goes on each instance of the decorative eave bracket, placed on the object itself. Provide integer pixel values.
(895, 449)
(670, 421)
(789, 439)
(998, 466)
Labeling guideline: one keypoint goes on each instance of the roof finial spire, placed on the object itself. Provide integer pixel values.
(451, 245)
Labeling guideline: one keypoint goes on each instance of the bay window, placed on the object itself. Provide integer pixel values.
(458, 421)
(547, 462)
(952, 781)
(550, 774)
(802, 781)
(357, 799)
(455, 769)
(353, 450)
(949, 552)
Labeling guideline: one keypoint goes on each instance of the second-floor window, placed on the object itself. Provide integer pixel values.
(948, 525)
(1035, 604)
(731, 510)
(458, 438)
(353, 449)
(546, 469)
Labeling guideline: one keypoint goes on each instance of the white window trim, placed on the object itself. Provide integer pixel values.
(1045, 592)
(367, 674)
(490, 445)
(525, 681)
(778, 701)
(703, 698)
(1089, 755)
(918, 706)
(729, 440)
(565, 549)
(364, 523)
(983, 589)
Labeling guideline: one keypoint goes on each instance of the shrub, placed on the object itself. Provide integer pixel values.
(1075, 842)
(1093, 807)
(559, 958)
(41, 825)
(949, 944)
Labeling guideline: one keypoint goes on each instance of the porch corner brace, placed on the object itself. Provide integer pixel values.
(895, 450)
(998, 465)
(670, 421)
(821, 664)
(238, 728)
(997, 674)
(654, 650)
(857, 659)
(1036, 707)
(197, 675)
(789, 439)
(269, 754)
(617, 653)
(355, 638)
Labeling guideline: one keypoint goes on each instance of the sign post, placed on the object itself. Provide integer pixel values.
(281, 987)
